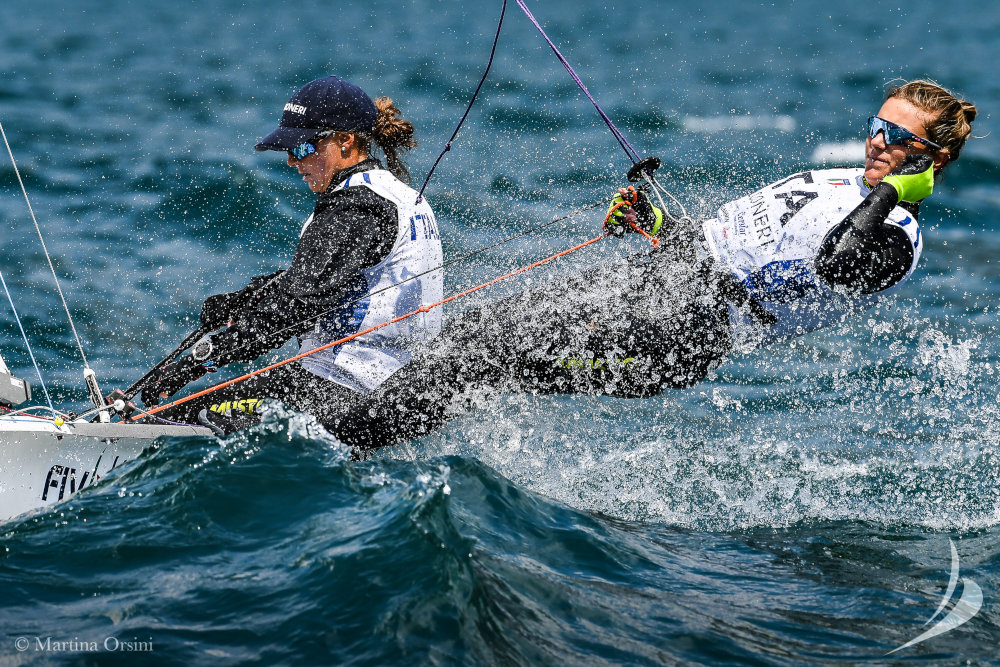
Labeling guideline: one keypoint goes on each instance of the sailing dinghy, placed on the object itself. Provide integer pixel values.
(47, 455)
(42, 463)
(46, 458)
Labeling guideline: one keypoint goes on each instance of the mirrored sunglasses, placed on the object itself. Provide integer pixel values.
(307, 148)
(895, 134)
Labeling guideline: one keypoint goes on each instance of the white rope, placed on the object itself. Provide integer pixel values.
(657, 189)
(46, 250)
(27, 412)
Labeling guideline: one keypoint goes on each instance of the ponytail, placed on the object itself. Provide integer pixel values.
(393, 134)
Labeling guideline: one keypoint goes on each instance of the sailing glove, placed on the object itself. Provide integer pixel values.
(219, 309)
(914, 179)
(175, 376)
(631, 207)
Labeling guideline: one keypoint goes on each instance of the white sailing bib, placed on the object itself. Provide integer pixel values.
(769, 241)
(381, 293)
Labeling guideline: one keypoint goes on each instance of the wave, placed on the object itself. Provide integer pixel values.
(272, 543)
(849, 153)
(714, 124)
(276, 534)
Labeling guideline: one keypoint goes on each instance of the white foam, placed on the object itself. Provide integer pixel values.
(723, 123)
(846, 152)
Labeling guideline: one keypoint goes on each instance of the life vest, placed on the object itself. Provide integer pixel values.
(769, 240)
(379, 294)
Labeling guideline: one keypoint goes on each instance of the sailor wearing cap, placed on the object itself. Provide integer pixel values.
(369, 252)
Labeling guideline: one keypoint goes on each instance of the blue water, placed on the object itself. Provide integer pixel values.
(795, 508)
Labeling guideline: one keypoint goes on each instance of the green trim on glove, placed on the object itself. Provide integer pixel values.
(649, 218)
(912, 187)
(657, 222)
(618, 214)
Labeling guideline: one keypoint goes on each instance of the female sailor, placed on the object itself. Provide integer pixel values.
(799, 254)
(370, 251)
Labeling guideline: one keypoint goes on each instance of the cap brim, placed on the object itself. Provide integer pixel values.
(286, 138)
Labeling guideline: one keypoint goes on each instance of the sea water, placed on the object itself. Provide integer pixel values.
(798, 507)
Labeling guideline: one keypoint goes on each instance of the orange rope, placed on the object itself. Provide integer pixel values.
(624, 203)
(422, 309)
(652, 239)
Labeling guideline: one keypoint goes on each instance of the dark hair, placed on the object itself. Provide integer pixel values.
(952, 123)
(391, 134)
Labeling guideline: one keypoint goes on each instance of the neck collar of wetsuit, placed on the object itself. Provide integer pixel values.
(342, 175)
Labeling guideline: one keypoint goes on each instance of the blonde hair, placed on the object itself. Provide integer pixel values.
(952, 123)
(391, 134)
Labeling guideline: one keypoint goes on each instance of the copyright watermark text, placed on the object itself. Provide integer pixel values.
(111, 644)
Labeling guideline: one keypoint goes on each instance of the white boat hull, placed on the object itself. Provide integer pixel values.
(42, 464)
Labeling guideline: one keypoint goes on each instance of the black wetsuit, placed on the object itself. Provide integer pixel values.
(627, 329)
(352, 229)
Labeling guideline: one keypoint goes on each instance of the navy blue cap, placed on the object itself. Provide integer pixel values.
(324, 104)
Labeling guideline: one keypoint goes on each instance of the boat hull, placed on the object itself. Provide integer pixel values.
(42, 464)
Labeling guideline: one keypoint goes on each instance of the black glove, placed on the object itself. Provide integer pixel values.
(219, 309)
(172, 378)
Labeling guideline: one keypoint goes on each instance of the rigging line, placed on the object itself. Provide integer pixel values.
(27, 344)
(633, 155)
(46, 250)
(447, 146)
(134, 389)
(10, 412)
(657, 188)
(422, 309)
(178, 351)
